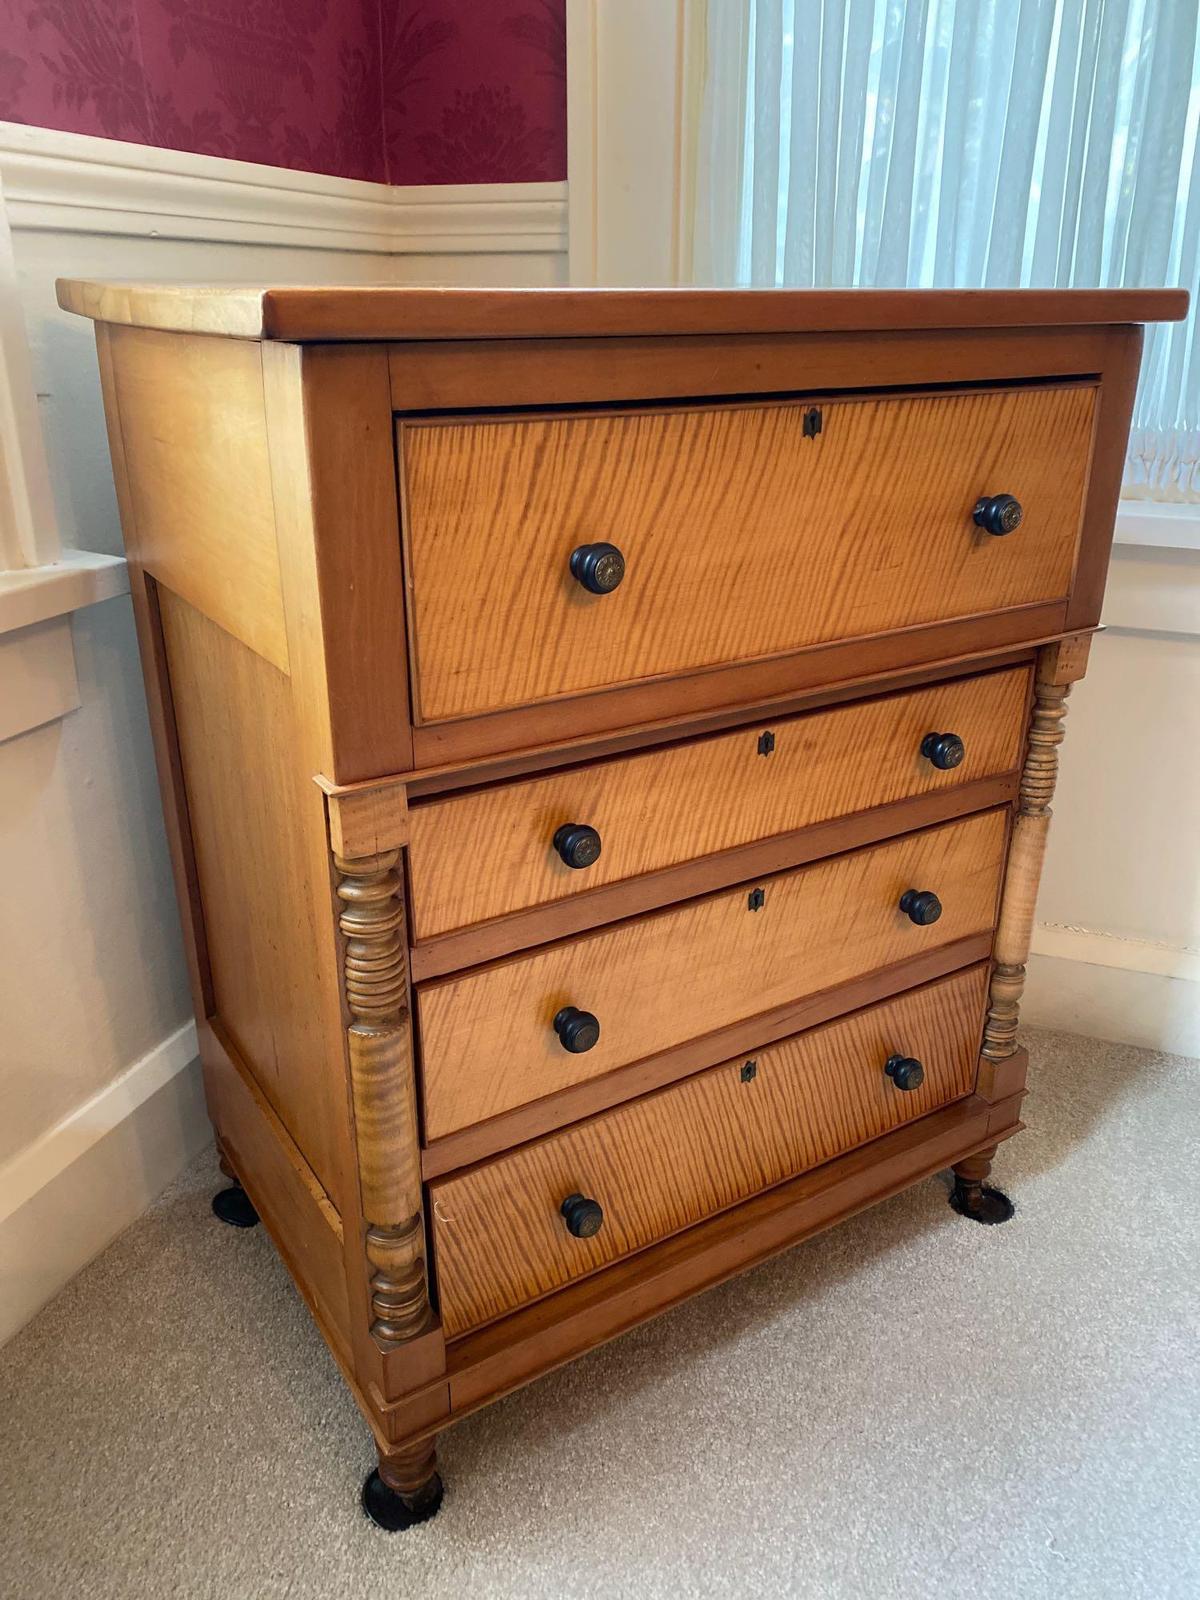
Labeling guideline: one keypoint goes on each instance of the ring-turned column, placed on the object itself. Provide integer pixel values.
(384, 1093)
(1059, 666)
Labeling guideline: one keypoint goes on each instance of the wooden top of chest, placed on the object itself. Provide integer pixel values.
(409, 313)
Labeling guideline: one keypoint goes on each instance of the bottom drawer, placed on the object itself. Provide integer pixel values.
(663, 1162)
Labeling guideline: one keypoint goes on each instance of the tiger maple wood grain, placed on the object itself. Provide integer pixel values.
(663, 1162)
(742, 538)
(488, 1042)
(673, 805)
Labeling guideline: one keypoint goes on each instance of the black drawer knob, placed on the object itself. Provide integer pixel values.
(598, 567)
(577, 1030)
(577, 844)
(905, 1071)
(998, 513)
(582, 1216)
(945, 750)
(921, 906)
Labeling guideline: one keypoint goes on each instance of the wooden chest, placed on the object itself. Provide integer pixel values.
(607, 741)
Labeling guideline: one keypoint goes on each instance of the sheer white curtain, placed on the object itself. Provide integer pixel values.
(970, 144)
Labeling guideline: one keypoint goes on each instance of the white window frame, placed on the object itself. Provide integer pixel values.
(635, 71)
(41, 584)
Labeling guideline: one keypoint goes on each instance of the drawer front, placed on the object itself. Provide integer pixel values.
(743, 538)
(661, 1163)
(488, 1038)
(668, 806)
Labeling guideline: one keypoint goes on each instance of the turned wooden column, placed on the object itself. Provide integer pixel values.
(384, 1093)
(1058, 667)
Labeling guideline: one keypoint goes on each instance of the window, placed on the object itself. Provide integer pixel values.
(966, 143)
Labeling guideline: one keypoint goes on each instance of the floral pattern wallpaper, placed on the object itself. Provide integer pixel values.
(397, 91)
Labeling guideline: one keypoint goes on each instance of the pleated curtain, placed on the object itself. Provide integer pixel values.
(970, 144)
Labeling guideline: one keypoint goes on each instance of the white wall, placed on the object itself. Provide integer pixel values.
(98, 1081)
(1117, 948)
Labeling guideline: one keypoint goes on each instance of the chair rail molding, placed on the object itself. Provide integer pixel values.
(72, 182)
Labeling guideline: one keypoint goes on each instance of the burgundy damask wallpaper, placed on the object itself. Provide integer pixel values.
(398, 91)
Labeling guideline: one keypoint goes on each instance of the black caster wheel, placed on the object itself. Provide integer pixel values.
(233, 1206)
(980, 1203)
(394, 1512)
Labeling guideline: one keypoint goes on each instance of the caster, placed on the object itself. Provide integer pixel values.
(394, 1512)
(980, 1202)
(233, 1206)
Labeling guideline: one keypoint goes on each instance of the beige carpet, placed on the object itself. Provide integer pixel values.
(909, 1406)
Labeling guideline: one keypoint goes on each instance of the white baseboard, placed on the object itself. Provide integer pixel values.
(1108, 988)
(71, 1192)
(73, 183)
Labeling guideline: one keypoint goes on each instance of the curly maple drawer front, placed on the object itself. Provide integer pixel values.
(488, 1037)
(743, 535)
(655, 810)
(659, 1164)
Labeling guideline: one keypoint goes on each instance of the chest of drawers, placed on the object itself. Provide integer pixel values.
(607, 741)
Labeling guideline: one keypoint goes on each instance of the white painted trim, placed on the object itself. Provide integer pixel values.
(28, 526)
(1110, 950)
(1104, 987)
(78, 578)
(41, 1162)
(1153, 591)
(37, 672)
(71, 1192)
(1119, 1005)
(71, 182)
(632, 86)
(1160, 524)
(582, 52)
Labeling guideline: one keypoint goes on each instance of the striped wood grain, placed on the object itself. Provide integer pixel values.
(661, 1163)
(668, 806)
(488, 1043)
(743, 538)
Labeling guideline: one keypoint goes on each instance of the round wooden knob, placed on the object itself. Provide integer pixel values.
(906, 1072)
(577, 844)
(583, 1217)
(577, 1030)
(598, 567)
(998, 513)
(944, 750)
(921, 906)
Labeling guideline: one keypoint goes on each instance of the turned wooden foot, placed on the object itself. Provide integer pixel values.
(405, 1488)
(233, 1205)
(225, 1164)
(973, 1198)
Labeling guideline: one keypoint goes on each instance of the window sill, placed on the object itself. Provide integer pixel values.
(1158, 524)
(37, 654)
(79, 578)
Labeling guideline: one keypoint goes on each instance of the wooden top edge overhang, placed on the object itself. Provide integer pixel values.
(390, 313)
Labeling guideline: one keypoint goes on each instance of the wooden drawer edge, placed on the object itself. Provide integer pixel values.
(485, 941)
(877, 658)
(433, 782)
(484, 1365)
(485, 1139)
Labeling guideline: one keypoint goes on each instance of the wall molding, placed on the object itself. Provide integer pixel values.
(1158, 524)
(1111, 950)
(74, 183)
(1153, 590)
(1106, 987)
(82, 1182)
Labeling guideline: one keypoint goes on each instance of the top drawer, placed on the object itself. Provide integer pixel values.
(744, 534)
